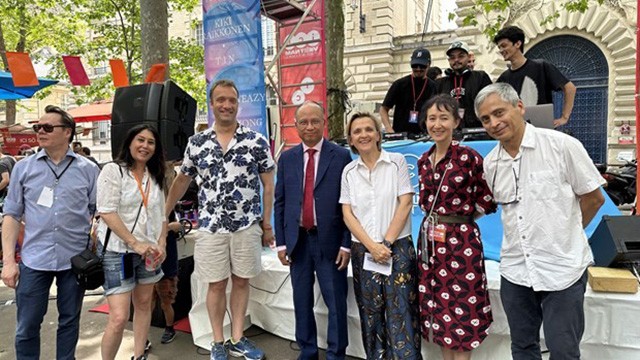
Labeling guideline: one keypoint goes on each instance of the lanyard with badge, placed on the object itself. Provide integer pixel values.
(413, 115)
(46, 196)
(458, 91)
(145, 201)
(431, 230)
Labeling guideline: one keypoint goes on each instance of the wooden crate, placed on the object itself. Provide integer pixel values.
(612, 280)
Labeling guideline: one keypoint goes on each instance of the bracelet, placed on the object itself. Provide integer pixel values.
(386, 243)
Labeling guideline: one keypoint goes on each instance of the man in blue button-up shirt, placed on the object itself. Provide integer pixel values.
(54, 193)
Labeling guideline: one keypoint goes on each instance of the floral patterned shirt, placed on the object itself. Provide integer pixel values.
(229, 194)
(464, 189)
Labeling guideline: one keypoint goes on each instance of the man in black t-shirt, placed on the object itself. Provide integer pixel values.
(407, 95)
(534, 80)
(462, 83)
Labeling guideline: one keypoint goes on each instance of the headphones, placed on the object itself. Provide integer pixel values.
(450, 72)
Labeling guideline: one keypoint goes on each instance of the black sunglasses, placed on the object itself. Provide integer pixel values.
(418, 67)
(46, 127)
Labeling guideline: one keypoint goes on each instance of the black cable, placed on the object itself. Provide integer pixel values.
(272, 292)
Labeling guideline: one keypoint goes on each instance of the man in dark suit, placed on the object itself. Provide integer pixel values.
(310, 233)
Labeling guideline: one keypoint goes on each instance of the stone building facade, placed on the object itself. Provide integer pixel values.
(595, 49)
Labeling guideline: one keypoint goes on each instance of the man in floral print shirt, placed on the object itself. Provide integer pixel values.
(229, 162)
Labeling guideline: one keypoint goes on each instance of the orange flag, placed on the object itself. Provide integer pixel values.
(21, 69)
(119, 73)
(156, 73)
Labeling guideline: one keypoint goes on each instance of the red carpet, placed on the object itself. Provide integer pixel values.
(183, 325)
(104, 308)
(180, 325)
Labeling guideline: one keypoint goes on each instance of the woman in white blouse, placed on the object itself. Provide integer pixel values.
(130, 203)
(376, 194)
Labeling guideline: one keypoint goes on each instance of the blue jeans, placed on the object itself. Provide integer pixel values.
(561, 311)
(32, 300)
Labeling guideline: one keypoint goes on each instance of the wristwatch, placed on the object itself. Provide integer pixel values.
(386, 243)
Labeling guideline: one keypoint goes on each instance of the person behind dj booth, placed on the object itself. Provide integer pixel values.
(407, 95)
(462, 83)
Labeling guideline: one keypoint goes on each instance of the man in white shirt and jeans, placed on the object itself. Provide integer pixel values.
(549, 190)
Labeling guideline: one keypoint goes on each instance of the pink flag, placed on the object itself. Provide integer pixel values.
(76, 72)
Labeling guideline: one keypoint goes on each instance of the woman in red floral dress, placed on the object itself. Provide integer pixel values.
(454, 299)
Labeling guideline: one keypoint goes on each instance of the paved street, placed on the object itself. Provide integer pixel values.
(93, 324)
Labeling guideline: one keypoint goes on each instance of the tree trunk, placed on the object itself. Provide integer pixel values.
(334, 33)
(10, 105)
(154, 34)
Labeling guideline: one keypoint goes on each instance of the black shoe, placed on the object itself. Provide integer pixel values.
(147, 347)
(168, 336)
(141, 357)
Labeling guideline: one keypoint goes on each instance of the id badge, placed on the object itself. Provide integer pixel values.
(46, 197)
(413, 117)
(439, 233)
(425, 243)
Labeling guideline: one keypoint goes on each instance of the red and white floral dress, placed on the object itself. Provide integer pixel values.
(454, 299)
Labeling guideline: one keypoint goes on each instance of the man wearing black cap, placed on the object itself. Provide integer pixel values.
(462, 83)
(407, 95)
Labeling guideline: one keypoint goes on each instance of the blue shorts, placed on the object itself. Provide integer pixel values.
(120, 278)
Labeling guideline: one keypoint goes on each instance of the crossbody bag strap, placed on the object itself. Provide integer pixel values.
(108, 235)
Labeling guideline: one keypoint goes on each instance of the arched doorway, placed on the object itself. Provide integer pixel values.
(586, 66)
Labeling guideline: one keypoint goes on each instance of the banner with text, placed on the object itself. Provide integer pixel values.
(302, 69)
(233, 51)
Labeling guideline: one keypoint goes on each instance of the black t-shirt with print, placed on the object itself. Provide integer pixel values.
(535, 81)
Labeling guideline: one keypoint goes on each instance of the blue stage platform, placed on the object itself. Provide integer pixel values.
(491, 225)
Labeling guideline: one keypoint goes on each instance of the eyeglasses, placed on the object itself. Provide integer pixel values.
(314, 123)
(46, 127)
(516, 178)
(418, 67)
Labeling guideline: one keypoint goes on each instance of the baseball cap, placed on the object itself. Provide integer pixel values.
(421, 57)
(458, 45)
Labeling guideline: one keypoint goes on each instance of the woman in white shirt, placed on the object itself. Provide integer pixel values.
(130, 203)
(376, 194)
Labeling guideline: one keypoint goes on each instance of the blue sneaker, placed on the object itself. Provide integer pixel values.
(218, 351)
(246, 348)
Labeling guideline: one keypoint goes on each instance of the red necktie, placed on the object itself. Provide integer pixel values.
(309, 183)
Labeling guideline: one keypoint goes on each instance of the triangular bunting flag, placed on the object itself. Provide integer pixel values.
(77, 74)
(119, 73)
(21, 69)
(156, 73)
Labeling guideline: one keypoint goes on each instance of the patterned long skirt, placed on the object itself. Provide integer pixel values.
(388, 305)
(454, 299)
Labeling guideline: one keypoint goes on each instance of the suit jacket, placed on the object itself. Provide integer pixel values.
(332, 232)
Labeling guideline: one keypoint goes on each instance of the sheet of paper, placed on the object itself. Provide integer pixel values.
(371, 265)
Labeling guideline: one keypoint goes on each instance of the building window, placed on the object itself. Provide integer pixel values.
(198, 33)
(268, 36)
(100, 70)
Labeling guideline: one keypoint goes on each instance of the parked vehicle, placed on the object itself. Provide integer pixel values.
(621, 182)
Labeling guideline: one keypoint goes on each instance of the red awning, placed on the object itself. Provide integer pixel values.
(97, 111)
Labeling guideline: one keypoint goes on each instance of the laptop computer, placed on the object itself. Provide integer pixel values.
(540, 116)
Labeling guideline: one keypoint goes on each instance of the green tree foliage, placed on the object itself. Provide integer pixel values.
(96, 30)
(36, 25)
(493, 15)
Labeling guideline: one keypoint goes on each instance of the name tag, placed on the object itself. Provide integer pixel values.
(413, 117)
(437, 233)
(46, 197)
